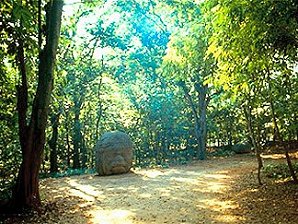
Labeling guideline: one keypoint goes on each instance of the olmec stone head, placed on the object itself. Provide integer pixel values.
(113, 153)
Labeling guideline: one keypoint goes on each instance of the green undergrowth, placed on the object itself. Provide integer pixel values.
(68, 173)
(6, 189)
(229, 150)
(222, 152)
(279, 170)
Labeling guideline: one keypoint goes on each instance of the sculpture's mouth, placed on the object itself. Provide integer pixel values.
(118, 169)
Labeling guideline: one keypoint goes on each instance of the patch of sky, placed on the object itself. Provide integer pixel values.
(106, 12)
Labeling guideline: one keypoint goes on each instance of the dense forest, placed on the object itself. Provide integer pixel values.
(185, 79)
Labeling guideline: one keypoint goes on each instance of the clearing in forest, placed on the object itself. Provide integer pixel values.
(221, 190)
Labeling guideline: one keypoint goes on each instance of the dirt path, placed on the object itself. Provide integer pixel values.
(213, 191)
(184, 194)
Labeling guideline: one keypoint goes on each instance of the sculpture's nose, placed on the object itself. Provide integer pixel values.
(118, 161)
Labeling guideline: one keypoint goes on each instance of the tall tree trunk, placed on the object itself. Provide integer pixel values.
(202, 91)
(199, 116)
(32, 137)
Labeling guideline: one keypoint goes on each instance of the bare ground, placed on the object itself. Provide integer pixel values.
(220, 190)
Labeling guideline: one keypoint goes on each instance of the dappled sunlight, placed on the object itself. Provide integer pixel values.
(216, 205)
(183, 180)
(87, 192)
(145, 195)
(281, 155)
(254, 190)
(213, 187)
(166, 192)
(212, 183)
(230, 218)
(116, 216)
(274, 156)
(218, 175)
(153, 173)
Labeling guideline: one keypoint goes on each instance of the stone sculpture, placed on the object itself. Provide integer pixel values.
(113, 153)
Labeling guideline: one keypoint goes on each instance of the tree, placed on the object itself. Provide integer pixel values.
(32, 136)
(252, 54)
(187, 62)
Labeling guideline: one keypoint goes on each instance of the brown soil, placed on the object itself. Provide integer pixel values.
(220, 190)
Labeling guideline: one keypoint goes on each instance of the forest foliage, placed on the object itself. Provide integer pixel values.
(182, 78)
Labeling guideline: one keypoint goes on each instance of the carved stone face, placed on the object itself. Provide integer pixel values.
(115, 161)
(113, 153)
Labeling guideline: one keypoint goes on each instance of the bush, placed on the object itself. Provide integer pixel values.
(10, 160)
(241, 148)
(279, 170)
(223, 151)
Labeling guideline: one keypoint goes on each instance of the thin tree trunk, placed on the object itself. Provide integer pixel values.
(285, 146)
(256, 145)
(32, 137)
(276, 133)
(76, 139)
(83, 152)
(278, 137)
(68, 151)
(290, 165)
(77, 135)
(100, 107)
(296, 122)
(53, 143)
(230, 131)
